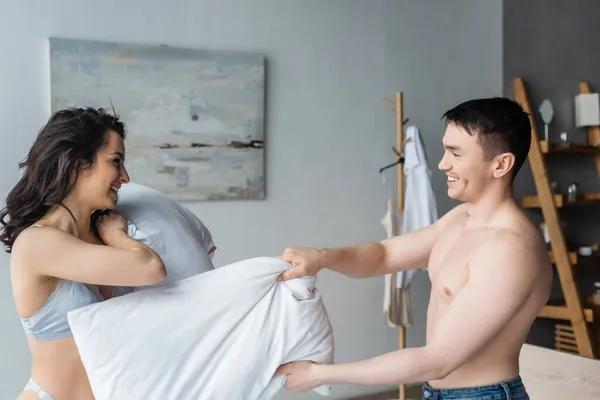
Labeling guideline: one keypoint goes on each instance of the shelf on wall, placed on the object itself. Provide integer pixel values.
(560, 200)
(573, 148)
(561, 312)
(573, 308)
(572, 257)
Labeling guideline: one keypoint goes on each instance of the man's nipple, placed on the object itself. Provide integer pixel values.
(447, 291)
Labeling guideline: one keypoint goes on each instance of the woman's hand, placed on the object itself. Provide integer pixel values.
(110, 224)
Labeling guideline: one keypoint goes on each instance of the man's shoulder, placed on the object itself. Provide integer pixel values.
(515, 240)
(456, 212)
(522, 250)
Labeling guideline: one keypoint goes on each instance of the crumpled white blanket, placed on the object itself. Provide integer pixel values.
(217, 335)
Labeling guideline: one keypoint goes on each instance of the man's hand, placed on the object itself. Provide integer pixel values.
(306, 261)
(300, 375)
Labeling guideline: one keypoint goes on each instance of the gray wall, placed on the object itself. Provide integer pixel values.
(553, 45)
(330, 63)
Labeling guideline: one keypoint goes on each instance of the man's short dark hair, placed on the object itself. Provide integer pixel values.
(500, 124)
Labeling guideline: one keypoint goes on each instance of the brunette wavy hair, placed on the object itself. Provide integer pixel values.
(66, 144)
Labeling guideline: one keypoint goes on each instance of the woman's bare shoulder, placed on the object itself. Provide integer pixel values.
(39, 235)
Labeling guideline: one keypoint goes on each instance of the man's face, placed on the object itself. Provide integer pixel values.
(465, 164)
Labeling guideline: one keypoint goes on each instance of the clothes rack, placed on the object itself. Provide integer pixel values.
(397, 108)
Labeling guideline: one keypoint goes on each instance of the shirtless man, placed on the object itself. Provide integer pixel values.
(488, 264)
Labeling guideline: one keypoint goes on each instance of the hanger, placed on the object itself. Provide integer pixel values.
(400, 158)
(400, 161)
(398, 153)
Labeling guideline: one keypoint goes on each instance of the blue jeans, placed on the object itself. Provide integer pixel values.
(512, 389)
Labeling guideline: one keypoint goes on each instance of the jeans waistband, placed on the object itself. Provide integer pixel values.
(509, 388)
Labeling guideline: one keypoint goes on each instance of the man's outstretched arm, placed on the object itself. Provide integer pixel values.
(500, 281)
(399, 253)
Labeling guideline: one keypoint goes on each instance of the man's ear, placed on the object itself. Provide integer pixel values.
(503, 164)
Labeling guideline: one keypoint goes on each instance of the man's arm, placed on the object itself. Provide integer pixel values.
(402, 252)
(501, 280)
(399, 253)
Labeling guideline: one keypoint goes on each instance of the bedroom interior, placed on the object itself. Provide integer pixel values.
(300, 135)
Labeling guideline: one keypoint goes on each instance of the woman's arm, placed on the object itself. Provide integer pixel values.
(122, 262)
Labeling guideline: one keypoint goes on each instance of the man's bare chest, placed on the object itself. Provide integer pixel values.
(449, 260)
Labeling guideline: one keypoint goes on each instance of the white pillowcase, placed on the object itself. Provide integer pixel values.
(174, 232)
(218, 335)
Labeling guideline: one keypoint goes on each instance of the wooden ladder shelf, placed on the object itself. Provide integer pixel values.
(549, 202)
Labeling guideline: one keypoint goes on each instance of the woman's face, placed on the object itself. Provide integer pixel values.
(99, 185)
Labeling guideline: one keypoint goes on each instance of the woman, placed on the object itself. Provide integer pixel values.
(62, 257)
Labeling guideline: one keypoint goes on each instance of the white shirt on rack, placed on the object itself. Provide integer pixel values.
(420, 211)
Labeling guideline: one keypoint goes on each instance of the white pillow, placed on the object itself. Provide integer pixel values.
(218, 335)
(179, 237)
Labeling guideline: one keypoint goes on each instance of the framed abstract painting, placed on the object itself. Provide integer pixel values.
(195, 118)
